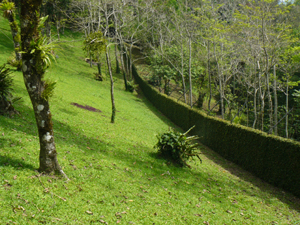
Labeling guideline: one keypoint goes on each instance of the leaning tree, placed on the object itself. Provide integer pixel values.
(36, 52)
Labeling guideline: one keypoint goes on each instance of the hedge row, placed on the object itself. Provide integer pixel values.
(273, 159)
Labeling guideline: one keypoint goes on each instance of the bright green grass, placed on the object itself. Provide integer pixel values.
(115, 176)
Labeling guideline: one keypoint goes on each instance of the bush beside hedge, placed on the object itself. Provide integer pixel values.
(273, 159)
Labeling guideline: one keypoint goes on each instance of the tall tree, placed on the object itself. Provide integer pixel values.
(35, 59)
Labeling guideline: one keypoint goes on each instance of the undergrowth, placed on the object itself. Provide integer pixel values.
(177, 147)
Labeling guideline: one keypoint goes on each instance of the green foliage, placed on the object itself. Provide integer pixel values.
(131, 86)
(168, 66)
(7, 8)
(8, 12)
(161, 68)
(14, 62)
(48, 89)
(94, 45)
(42, 51)
(5, 81)
(42, 22)
(6, 98)
(274, 159)
(177, 146)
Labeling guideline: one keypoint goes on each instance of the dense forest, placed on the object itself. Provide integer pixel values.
(237, 60)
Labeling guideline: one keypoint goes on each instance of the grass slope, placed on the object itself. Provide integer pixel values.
(115, 176)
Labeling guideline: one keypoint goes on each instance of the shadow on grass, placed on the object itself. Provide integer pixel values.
(6, 42)
(16, 163)
(148, 162)
(69, 112)
(265, 188)
(234, 169)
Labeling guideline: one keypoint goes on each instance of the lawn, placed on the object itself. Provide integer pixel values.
(115, 176)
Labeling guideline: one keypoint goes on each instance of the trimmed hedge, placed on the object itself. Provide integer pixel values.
(272, 158)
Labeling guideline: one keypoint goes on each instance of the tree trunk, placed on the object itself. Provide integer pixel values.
(262, 97)
(33, 71)
(200, 99)
(57, 29)
(269, 91)
(99, 66)
(209, 75)
(91, 60)
(287, 109)
(262, 113)
(247, 110)
(113, 114)
(130, 62)
(117, 61)
(275, 102)
(182, 74)
(255, 108)
(126, 60)
(15, 34)
(270, 103)
(190, 71)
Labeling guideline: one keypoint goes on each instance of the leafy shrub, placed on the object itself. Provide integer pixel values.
(154, 80)
(131, 86)
(98, 77)
(5, 81)
(177, 147)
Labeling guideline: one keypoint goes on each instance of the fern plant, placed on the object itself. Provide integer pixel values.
(6, 98)
(48, 91)
(5, 81)
(177, 146)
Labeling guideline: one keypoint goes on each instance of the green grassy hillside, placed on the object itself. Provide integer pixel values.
(115, 177)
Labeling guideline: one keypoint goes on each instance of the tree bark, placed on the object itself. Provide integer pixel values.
(209, 75)
(117, 61)
(275, 102)
(262, 96)
(287, 109)
(15, 34)
(190, 71)
(33, 71)
(254, 106)
(113, 114)
(99, 66)
(57, 29)
(182, 74)
(221, 108)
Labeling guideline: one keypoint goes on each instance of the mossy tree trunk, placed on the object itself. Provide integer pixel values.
(33, 71)
(9, 14)
(15, 34)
